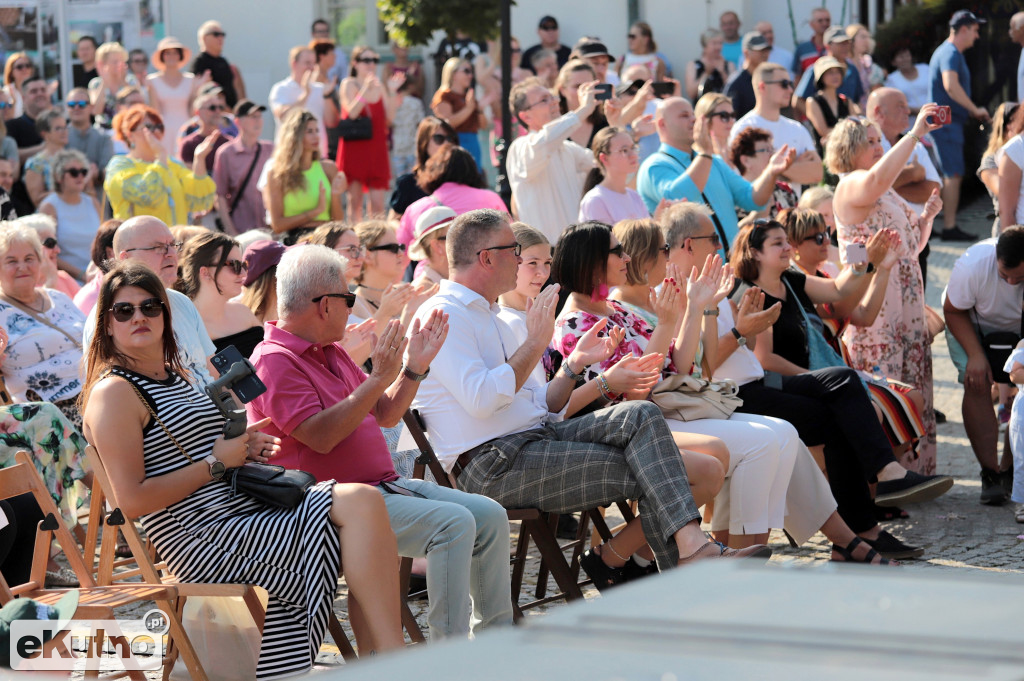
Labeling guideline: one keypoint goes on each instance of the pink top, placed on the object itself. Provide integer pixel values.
(302, 380)
(608, 206)
(85, 299)
(458, 197)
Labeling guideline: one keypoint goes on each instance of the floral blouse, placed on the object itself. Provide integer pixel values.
(40, 358)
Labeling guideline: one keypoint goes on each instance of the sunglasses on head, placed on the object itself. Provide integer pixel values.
(77, 172)
(394, 248)
(819, 238)
(349, 298)
(49, 242)
(368, 60)
(78, 104)
(438, 138)
(123, 312)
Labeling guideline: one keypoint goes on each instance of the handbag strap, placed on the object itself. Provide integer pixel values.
(39, 318)
(704, 198)
(152, 413)
(245, 180)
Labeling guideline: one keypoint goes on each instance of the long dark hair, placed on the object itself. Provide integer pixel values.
(210, 249)
(102, 354)
(581, 257)
(449, 164)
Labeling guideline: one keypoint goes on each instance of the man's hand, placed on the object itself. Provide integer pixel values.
(702, 143)
(540, 315)
(387, 356)
(426, 341)
(751, 317)
(977, 374)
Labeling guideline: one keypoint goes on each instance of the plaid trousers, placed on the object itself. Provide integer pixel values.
(625, 451)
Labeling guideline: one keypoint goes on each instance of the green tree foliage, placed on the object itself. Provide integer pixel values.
(413, 22)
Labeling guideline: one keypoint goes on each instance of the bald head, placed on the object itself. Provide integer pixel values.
(765, 29)
(888, 109)
(148, 240)
(674, 120)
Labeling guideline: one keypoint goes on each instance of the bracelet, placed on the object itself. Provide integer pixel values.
(579, 379)
(412, 375)
(602, 385)
(910, 134)
(703, 155)
(711, 313)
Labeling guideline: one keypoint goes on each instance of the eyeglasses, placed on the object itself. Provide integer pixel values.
(163, 248)
(215, 107)
(5, 105)
(123, 312)
(140, 60)
(764, 150)
(153, 127)
(819, 238)
(21, 66)
(438, 138)
(627, 151)
(368, 60)
(546, 99)
(49, 242)
(394, 248)
(62, 128)
(349, 298)
(78, 104)
(236, 266)
(217, 34)
(724, 116)
(352, 251)
(77, 172)
(713, 237)
(516, 248)
(666, 249)
(785, 83)
(632, 36)
(617, 251)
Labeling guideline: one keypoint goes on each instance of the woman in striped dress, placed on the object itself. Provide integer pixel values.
(138, 399)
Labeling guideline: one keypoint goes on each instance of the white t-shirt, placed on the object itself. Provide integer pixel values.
(974, 284)
(931, 173)
(287, 92)
(1014, 150)
(742, 365)
(915, 90)
(784, 131)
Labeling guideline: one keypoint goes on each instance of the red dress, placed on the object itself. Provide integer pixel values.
(366, 161)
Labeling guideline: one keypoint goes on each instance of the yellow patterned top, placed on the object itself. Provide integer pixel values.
(148, 188)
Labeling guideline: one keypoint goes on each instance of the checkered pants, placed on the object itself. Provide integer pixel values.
(621, 452)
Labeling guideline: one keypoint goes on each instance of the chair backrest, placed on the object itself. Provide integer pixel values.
(23, 478)
(427, 458)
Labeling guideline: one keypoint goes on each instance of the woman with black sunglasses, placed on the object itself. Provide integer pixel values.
(431, 133)
(211, 272)
(380, 292)
(76, 212)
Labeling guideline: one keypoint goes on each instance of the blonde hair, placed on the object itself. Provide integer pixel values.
(528, 236)
(815, 196)
(709, 102)
(107, 50)
(286, 163)
(1000, 127)
(848, 138)
(449, 69)
(641, 240)
(853, 29)
(369, 233)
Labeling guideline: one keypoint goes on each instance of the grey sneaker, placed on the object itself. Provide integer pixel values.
(992, 492)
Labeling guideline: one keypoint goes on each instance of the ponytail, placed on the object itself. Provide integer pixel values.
(594, 178)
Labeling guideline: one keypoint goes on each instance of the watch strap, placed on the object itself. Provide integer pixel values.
(412, 375)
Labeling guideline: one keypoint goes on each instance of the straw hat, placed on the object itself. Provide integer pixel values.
(824, 64)
(169, 43)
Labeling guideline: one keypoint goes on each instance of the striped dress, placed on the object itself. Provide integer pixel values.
(209, 537)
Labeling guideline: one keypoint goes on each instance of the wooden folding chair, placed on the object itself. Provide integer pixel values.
(95, 602)
(144, 555)
(535, 525)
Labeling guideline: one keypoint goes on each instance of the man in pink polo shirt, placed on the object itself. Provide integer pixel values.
(328, 414)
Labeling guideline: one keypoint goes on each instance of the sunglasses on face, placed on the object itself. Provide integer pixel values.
(78, 104)
(139, 61)
(368, 60)
(665, 249)
(76, 172)
(154, 127)
(22, 66)
(516, 248)
(5, 105)
(549, 28)
(214, 107)
(470, 71)
(236, 266)
(818, 239)
(438, 138)
(394, 248)
(123, 312)
(49, 242)
(617, 251)
(349, 298)
(217, 34)
(724, 116)
(785, 83)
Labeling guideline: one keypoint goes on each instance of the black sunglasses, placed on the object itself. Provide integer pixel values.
(394, 248)
(49, 242)
(438, 138)
(217, 34)
(666, 249)
(349, 298)
(616, 251)
(215, 107)
(516, 248)
(153, 127)
(818, 239)
(123, 312)
(724, 116)
(236, 266)
(786, 83)
(368, 60)
(77, 172)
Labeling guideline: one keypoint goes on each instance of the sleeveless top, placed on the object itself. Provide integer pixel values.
(77, 225)
(245, 341)
(173, 107)
(300, 200)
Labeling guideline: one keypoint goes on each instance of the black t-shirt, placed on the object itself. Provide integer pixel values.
(80, 77)
(23, 131)
(789, 335)
(406, 193)
(220, 72)
(562, 53)
(741, 88)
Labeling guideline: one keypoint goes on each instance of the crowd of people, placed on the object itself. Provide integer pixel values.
(757, 228)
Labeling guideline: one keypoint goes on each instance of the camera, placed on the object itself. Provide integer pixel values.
(237, 375)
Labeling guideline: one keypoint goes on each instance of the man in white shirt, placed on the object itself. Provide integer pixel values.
(777, 55)
(501, 431)
(546, 169)
(772, 90)
(984, 297)
(148, 240)
(302, 90)
(1017, 36)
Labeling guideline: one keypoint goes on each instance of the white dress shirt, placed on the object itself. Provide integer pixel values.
(470, 395)
(546, 170)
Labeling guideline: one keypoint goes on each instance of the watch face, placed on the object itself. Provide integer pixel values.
(217, 469)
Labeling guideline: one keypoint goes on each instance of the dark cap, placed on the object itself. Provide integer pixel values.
(836, 34)
(63, 611)
(755, 41)
(547, 21)
(593, 48)
(260, 256)
(629, 87)
(964, 17)
(247, 106)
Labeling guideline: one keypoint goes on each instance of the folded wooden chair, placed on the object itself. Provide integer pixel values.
(95, 602)
(150, 572)
(535, 525)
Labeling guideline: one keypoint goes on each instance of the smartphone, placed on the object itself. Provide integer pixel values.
(856, 254)
(603, 91)
(943, 115)
(247, 388)
(663, 89)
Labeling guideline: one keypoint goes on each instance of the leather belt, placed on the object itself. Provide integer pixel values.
(467, 456)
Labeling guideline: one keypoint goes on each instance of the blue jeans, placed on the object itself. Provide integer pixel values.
(465, 538)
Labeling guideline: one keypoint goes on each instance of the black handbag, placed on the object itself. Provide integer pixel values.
(355, 128)
(997, 346)
(273, 485)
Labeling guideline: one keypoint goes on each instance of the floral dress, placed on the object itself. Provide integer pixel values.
(898, 342)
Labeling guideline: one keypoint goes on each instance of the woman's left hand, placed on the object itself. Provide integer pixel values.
(426, 341)
(206, 146)
(261, 447)
(932, 206)
(592, 348)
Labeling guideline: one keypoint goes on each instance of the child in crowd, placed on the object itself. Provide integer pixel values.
(1015, 368)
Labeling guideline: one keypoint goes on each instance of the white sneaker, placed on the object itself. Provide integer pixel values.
(1019, 514)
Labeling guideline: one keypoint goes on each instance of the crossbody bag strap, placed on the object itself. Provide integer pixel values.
(714, 215)
(42, 320)
(156, 418)
(245, 181)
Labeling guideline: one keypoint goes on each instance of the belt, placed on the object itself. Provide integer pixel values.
(466, 457)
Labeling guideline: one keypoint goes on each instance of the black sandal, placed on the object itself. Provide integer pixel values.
(884, 514)
(869, 559)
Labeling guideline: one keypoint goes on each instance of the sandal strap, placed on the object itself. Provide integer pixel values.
(847, 553)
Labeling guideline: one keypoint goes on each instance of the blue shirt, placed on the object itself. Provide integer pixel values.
(948, 58)
(851, 86)
(733, 52)
(661, 177)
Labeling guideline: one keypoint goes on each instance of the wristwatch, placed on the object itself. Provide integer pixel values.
(579, 379)
(216, 467)
(711, 313)
(412, 375)
(741, 340)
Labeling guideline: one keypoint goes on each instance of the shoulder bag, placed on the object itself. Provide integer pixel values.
(820, 355)
(39, 318)
(272, 485)
(688, 398)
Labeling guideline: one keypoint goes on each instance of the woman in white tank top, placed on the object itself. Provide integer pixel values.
(171, 91)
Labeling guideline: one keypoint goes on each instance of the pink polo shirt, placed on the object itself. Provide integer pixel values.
(303, 379)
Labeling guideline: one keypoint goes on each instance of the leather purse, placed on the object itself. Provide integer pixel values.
(355, 128)
(273, 485)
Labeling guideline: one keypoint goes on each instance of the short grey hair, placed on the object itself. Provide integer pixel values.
(469, 233)
(305, 272)
(683, 221)
(19, 233)
(38, 222)
(61, 160)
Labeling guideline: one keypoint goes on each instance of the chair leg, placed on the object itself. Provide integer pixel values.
(519, 564)
(340, 639)
(542, 572)
(550, 552)
(182, 641)
(408, 620)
